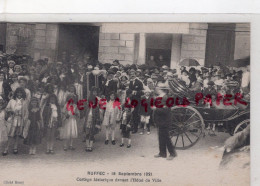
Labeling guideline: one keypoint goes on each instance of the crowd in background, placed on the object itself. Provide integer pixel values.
(34, 97)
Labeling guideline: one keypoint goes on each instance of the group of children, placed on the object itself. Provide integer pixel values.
(27, 120)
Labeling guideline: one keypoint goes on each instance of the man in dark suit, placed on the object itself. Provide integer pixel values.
(134, 93)
(110, 85)
(162, 118)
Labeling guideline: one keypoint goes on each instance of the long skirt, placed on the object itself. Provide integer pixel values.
(70, 129)
(34, 135)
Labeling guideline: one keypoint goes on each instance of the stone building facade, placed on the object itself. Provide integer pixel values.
(125, 41)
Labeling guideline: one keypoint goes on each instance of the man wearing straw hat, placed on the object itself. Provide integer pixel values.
(162, 118)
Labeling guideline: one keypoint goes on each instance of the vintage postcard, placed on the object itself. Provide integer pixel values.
(110, 102)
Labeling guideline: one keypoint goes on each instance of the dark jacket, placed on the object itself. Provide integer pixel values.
(135, 85)
(163, 116)
(111, 87)
(6, 90)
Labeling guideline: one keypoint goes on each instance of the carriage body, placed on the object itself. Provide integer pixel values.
(189, 122)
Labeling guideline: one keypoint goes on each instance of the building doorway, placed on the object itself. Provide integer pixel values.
(159, 45)
(78, 40)
(220, 44)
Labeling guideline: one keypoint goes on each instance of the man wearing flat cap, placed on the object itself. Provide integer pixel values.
(162, 118)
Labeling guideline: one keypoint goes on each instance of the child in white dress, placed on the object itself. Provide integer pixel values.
(70, 129)
(111, 117)
(18, 111)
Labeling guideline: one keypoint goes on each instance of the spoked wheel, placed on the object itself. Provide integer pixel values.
(242, 125)
(187, 127)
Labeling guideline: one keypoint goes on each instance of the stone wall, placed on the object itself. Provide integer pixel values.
(45, 41)
(242, 41)
(194, 43)
(118, 46)
(36, 40)
(20, 38)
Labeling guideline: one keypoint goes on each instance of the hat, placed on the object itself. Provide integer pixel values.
(211, 83)
(24, 78)
(165, 67)
(169, 74)
(10, 61)
(153, 76)
(90, 67)
(163, 86)
(110, 72)
(131, 71)
(146, 75)
(116, 61)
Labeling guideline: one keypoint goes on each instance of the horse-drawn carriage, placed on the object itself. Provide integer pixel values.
(188, 122)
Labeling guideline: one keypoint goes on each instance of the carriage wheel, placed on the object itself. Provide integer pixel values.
(241, 126)
(187, 127)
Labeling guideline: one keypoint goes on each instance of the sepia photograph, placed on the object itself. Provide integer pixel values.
(125, 103)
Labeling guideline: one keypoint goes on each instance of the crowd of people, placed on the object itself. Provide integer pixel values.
(35, 95)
